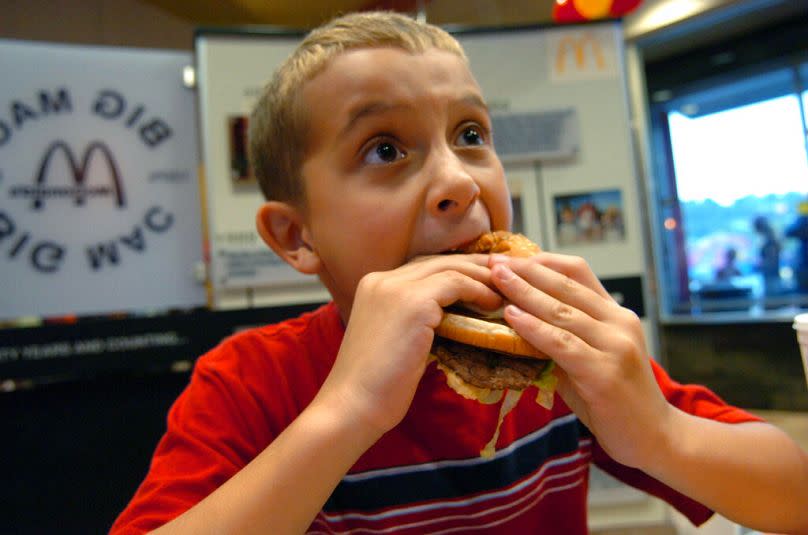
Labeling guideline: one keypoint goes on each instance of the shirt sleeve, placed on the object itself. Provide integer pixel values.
(210, 436)
(693, 399)
(241, 396)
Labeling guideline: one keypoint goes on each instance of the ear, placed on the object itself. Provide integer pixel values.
(283, 228)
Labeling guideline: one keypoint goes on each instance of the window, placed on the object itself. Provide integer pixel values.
(731, 169)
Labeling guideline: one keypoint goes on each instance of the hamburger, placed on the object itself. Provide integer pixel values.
(481, 355)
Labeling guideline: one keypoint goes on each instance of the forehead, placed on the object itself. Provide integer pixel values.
(389, 76)
(365, 64)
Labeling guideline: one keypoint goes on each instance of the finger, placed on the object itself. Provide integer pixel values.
(549, 309)
(479, 259)
(569, 351)
(564, 288)
(474, 266)
(574, 267)
(449, 287)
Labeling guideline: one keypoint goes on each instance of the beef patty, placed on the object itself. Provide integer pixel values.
(488, 369)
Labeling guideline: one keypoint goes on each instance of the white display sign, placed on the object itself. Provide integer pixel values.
(232, 72)
(589, 53)
(99, 195)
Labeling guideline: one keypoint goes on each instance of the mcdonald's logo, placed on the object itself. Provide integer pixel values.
(578, 45)
(79, 190)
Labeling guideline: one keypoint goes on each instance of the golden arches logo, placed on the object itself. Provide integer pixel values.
(79, 191)
(577, 45)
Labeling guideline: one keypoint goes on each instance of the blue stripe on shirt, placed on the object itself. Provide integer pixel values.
(449, 479)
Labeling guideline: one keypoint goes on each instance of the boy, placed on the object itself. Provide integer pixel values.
(373, 146)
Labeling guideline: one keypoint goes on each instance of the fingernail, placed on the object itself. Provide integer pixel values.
(514, 310)
(503, 272)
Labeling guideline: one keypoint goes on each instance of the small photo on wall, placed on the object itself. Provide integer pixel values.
(240, 172)
(591, 217)
(517, 225)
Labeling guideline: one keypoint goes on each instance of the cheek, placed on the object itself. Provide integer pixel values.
(504, 220)
(384, 214)
(352, 227)
(389, 229)
(497, 199)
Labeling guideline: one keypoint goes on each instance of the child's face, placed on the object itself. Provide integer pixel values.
(399, 163)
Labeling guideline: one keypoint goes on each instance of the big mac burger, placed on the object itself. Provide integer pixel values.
(481, 355)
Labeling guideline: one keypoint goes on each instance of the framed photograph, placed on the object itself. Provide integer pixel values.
(240, 172)
(525, 202)
(590, 217)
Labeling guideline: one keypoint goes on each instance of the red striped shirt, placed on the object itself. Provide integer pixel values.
(424, 476)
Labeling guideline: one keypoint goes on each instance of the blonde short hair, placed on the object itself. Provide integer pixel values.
(278, 123)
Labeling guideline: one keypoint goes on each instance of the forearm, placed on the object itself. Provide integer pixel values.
(752, 473)
(283, 488)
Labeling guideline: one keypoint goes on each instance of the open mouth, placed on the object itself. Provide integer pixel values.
(459, 247)
(464, 244)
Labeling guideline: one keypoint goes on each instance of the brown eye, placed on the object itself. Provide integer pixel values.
(384, 152)
(471, 136)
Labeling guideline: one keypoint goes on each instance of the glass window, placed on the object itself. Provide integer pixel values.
(733, 195)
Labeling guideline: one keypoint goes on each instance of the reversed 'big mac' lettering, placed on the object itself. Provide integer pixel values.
(46, 256)
(20, 112)
(104, 253)
(108, 104)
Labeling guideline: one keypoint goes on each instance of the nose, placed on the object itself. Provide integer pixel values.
(452, 188)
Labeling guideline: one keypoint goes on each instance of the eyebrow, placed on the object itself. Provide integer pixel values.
(368, 110)
(379, 106)
(473, 99)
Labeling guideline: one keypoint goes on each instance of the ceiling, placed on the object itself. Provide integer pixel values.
(309, 13)
(664, 26)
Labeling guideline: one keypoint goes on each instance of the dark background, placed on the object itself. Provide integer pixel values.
(74, 452)
(79, 432)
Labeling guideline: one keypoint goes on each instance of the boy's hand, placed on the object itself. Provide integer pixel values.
(605, 376)
(390, 332)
